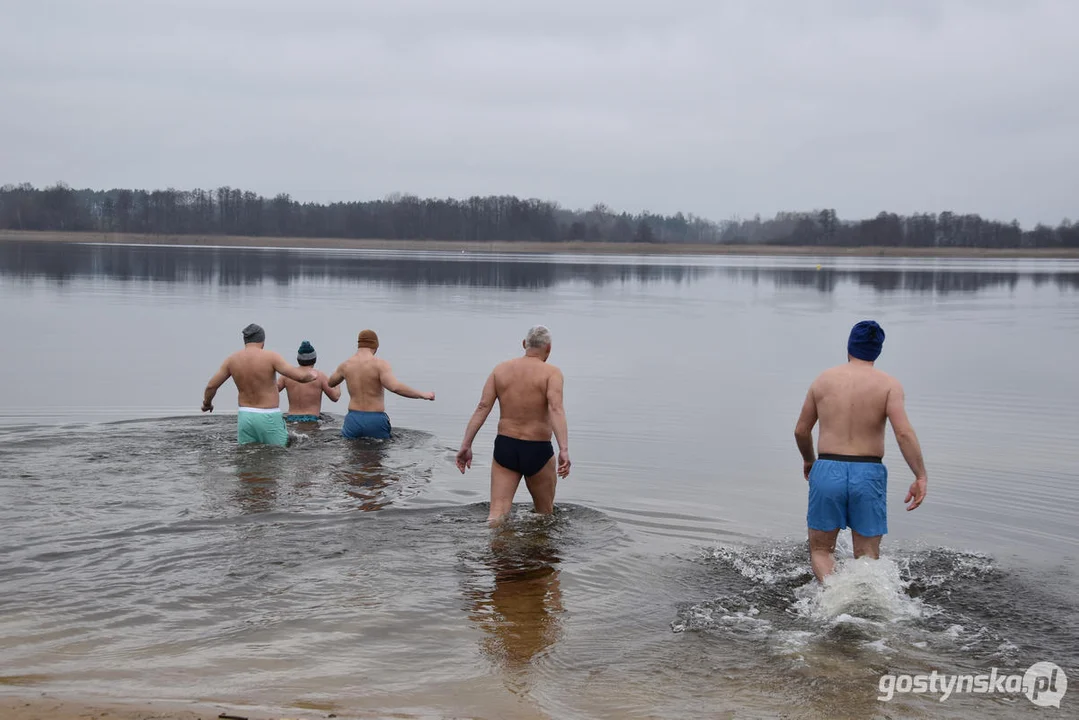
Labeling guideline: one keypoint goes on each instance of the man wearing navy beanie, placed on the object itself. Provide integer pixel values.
(848, 482)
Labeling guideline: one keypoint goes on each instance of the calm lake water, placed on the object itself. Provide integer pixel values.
(145, 556)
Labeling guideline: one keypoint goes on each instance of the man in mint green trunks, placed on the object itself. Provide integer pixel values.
(254, 371)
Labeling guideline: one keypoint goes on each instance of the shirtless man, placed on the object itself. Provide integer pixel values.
(529, 395)
(305, 399)
(253, 370)
(367, 377)
(848, 483)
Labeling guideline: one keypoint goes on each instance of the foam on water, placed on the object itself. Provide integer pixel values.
(881, 605)
(920, 609)
(860, 590)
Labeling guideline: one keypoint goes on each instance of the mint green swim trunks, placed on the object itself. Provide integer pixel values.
(262, 426)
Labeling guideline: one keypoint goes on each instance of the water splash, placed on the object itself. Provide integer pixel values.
(900, 603)
(861, 590)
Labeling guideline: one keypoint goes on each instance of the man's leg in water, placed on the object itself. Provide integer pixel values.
(504, 484)
(542, 486)
(822, 552)
(865, 546)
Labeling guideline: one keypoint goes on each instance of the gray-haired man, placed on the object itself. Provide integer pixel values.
(529, 395)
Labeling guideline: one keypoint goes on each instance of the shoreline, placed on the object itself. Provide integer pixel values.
(48, 707)
(573, 248)
(17, 704)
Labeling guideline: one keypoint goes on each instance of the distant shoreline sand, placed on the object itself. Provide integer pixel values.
(576, 248)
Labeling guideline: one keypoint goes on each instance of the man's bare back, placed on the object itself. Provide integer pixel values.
(306, 398)
(254, 371)
(852, 406)
(362, 374)
(367, 378)
(852, 402)
(521, 386)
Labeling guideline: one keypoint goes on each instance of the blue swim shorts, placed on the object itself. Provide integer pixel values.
(848, 491)
(366, 424)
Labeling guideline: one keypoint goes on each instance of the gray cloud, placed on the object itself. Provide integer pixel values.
(716, 108)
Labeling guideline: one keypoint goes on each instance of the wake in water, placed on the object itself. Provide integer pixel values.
(909, 612)
(958, 603)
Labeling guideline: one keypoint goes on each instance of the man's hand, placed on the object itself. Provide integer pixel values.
(563, 462)
(916, 493)
(207, 407)
(464, 459)
(427, 396)
(807, 466)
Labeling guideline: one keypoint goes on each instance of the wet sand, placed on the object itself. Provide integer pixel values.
(604, 248)
(45, 707)
(50, 708)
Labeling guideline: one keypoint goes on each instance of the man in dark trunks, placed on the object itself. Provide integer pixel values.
(529, 394)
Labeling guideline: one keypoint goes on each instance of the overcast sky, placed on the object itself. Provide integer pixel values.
(717, 108)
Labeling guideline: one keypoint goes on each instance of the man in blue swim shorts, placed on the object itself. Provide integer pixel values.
(367, 377)
(848, 483)
(254, 371)
(305, 399)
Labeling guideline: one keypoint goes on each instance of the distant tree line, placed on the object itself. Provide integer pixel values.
(230, 211)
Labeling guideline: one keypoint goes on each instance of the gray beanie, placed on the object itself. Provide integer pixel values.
(254, 334)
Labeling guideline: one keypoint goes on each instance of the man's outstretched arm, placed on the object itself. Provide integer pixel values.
(557, 412)
(391, 383)
(223, 373)
(803, 432)
(479, 417)
(908, 445)
(293, 373)
(337, 378)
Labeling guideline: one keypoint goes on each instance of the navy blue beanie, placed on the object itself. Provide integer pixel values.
(866, 340)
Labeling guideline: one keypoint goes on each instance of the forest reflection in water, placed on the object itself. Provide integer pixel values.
(235, 267)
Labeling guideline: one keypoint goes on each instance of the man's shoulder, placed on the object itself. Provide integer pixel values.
(888, 381)
(505, 364)
(830, 373)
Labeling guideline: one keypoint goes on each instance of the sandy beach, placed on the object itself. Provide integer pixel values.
(50, 708)
(528, 247)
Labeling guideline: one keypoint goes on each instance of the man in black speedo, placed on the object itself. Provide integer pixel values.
(529, 394)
